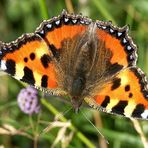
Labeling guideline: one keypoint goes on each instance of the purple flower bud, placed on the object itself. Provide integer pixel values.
(28, 100)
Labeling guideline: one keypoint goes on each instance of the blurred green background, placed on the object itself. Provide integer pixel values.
(21, 16)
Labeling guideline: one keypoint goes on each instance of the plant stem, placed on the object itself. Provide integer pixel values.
(43, 8)
(35, 136)
(104, 11)
(69, 6)
(80, 135)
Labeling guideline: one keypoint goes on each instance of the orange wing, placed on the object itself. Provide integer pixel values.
(28, 59)
(64, 27)
(126, 94)
(118, 42)
(31, 58)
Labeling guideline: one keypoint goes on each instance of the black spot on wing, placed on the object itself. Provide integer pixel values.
(127, 88)
(45, 59)
(44, 81)
(106, 101)
(28, 76)
(138, 111)
(32, 56)
(130, 95)
(25, 59)
(54, 51)
(114, 68)
(119, 108)
(10, 64)
(116, 83)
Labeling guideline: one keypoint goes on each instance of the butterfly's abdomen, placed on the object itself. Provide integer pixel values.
(77, 86)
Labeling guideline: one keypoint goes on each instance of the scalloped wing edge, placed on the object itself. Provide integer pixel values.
(121, 33)
(144, 89)
(11, 46)
(64, 18)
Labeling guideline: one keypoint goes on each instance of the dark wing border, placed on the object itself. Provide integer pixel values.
(121, 33)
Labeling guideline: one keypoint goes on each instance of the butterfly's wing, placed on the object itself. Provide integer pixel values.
(31, 58)
(28, 59)
(123, 91)
(62, 29)
(126, 94)
(65, 35)
(115, 52)
(117, 40)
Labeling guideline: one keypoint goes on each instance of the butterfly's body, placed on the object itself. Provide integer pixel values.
(81, 73)
(87, 60)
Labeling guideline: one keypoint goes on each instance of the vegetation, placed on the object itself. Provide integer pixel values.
(56, 121)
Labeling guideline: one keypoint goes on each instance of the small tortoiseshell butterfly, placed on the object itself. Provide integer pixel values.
(87, 60)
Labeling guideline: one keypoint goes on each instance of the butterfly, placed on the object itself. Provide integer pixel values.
(91, 61)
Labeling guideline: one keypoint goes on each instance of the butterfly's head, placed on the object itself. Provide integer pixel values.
(76, 103)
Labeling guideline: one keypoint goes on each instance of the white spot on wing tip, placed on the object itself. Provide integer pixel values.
(104, 27)
(119, 34)
(129, 47)
(111, 30)
(82, 22)
(66, 19)
(3, 65)
(49, 25)
(144, 115)
(57, 22)
(124, 40)
(74, 21)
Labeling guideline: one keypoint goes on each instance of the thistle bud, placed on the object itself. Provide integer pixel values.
(28, 100)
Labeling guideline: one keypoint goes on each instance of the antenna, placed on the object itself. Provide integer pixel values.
(94, 127)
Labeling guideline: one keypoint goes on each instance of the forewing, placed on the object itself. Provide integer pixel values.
(62, 29)
(28, 59)
(33, 58)
(117, 40)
